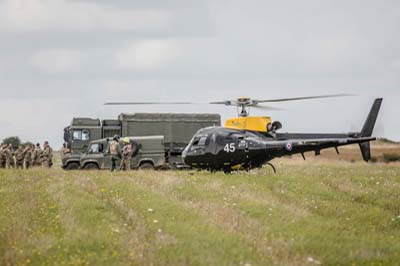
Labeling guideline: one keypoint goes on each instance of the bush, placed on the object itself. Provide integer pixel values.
(14, 141)
(391, 157)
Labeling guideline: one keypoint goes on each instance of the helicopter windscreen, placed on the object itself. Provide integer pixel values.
(199, 142)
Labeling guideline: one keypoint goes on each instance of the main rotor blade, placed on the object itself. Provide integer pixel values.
(170, 103)
(302, 98)
(152, 103)
(227, 103)
(268, 108)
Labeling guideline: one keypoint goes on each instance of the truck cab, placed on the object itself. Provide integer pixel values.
(77, 138)
(149, 154)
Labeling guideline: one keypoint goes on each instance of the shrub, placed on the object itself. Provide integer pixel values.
(14, 141)
(391, 157)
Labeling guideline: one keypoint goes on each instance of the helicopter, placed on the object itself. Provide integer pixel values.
(248, 142)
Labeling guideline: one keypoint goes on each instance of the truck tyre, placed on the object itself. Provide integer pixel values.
(72, 166)
(91, 166)
(146, 166)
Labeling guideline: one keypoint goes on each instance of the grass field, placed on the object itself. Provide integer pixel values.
(310, 213)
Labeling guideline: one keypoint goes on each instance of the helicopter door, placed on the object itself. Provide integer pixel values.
(247, 154)
(242, 148)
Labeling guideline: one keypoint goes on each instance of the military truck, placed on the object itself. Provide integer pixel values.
(149, 154)
(177, 129)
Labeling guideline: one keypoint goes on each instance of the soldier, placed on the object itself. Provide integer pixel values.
(19, 157)
(10, 161)
(3, 156)
(33, 147)
(126, 156)
(37, 153)
(115, 151)
(6, 155)
(47, 155)
(28, 157)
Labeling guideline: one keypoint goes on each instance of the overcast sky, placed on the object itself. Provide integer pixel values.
(64, 58)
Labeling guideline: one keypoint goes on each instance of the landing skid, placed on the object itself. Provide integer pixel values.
(273, 167)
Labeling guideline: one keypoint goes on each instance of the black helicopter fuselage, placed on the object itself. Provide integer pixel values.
(218, 148)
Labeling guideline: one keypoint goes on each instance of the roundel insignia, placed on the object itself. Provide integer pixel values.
(289, 146)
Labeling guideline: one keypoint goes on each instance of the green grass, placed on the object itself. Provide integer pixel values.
(318, 214)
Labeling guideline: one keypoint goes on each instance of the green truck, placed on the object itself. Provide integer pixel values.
(150, 154)
(176, 128)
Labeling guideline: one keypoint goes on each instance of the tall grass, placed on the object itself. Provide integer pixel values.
(322, 214)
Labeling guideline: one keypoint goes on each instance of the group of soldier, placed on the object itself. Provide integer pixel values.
(125, 154)
(26, 157)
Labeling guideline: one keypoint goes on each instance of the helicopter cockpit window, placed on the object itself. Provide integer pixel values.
(213, 138)
(202, 141)
(199, 142)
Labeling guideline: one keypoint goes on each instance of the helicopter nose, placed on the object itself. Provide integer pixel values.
(184, 154)
(188, 156)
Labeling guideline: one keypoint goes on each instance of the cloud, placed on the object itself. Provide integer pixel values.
(147, 54)
(102, 50)
(33, 120)
(56, 61)
(63, 15)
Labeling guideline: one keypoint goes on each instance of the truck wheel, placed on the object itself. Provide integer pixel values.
(72, 166)
(146, 166)
(91, 166)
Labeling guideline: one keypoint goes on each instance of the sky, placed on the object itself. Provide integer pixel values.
(61, 59)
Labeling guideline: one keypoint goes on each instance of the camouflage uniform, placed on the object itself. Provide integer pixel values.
(47, 156)
(28, 157)
(3, 156)
(10, 162)
(114, 151)
(37, 153)
(19, 158)
(126, 156)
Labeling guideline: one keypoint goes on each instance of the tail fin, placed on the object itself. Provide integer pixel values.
(371, 119)
(368, 128)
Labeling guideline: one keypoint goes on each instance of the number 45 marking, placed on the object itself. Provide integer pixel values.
(230, 147)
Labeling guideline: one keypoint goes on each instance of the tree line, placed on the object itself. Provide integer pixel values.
(15, 142)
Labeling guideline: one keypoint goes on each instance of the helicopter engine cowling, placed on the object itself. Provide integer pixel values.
(276, 125)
